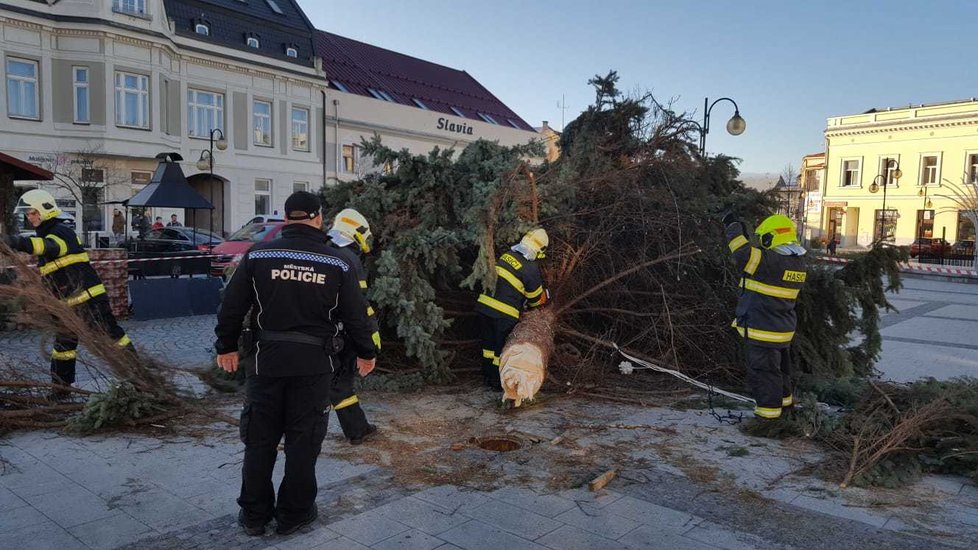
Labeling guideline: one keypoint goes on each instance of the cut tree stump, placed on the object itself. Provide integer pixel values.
(523, 363)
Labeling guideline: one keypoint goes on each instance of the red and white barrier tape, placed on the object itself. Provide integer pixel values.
(917, 268)
(157, 259)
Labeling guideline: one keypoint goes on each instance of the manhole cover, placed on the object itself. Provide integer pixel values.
(501, 444)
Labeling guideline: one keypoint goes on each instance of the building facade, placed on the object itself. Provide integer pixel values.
(812, 176)
(95, 89)
(933, 148)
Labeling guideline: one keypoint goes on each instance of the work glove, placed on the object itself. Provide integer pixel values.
(728, 217)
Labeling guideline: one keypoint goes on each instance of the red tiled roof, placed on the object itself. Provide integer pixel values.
(19, 170)
(359, 66)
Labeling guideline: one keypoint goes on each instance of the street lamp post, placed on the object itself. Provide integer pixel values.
(735, 126)
(206, 162)
(920, 224)
(885, 178)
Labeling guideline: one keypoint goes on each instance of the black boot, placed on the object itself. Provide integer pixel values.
(371, 429)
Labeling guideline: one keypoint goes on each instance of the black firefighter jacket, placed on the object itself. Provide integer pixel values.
(518, 285)
(769, 286)
(63, 262)
(296, 283)
(350, 256)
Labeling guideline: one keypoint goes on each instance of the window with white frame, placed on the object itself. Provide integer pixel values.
(513, 124)
(137, 7)
(972, 168)
(380, 94)
(300, 186)
(340, 86)
(202, 28)
(205, 112)
(930, 172)
(291, 52)
(252, 42)
(487, 118)
(263, 197)
(350, 159)
(458, 112)
(81, 95)
(419, 103)
(262, 122)
(888, 167)
(850, 172)
(131, 100)
(22, 89)
(300, 129)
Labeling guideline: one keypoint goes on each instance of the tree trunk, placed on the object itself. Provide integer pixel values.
(523, 364)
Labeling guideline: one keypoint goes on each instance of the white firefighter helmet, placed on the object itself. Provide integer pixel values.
(536, 241)
(42, 201)
(349, 226)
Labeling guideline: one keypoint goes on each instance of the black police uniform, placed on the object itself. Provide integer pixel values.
(769, 286)
(518, 285)
(300, 291)
(66, 269)
(343, 394)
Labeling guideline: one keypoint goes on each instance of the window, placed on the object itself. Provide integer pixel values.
(888, 166)
(22, 90)
(514, 124)
(350, 159)
(205, 112)
(487, 118)
(131, 100)
(291, 52)
(300, 129)
(262, 121)
(850, 173)
(972, 168)
(929, 170)
(380, 94)
(252, 42)
(137, 7)
(300, 186)
(274, 7)
(263, 197)
(80, 83)
(458, 112)
(340, 86)
(201, 28)
(925, 224)
(966, 229)
(419, 103)
(885, 223)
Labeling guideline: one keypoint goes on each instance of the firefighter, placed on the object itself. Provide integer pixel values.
(65, 267)
(351, 237)
(300, 292)
(772, 275)
(518, 285)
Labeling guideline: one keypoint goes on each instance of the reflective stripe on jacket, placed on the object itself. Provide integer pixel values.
(769, 287)
(518, 285)
(61, 259)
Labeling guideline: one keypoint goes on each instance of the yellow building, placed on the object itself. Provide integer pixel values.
(934, 148)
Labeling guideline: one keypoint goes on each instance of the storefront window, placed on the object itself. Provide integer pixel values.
(966, 229)
(885, 226)
(925, 224)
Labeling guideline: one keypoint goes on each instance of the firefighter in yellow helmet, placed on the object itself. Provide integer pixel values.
(350, 236)
(772, 275)
(65, 267)
(518, 285)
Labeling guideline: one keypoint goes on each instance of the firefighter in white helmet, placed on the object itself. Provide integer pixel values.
(519, 285)
(65, 267)
(350, 236)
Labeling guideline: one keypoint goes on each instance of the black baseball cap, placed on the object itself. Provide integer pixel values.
(302, 205)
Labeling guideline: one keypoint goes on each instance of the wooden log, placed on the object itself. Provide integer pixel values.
(523, 363)
(599, 482)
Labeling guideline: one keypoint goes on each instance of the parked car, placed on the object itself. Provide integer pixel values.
(172, 241)
(929, 247)
(263, 219)
(963, 248)
(229, 252)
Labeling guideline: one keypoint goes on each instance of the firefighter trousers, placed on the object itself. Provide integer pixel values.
(769, 379)
(495, 331)
(97, 314)
(298, 408)
(343, 396)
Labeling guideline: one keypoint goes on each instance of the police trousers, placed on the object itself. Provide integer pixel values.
(97, 314)
(343, 396)
(296, 407)
(769, 379)
(495, 331)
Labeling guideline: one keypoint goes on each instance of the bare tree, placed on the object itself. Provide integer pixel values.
(84, 175)
(964, 197)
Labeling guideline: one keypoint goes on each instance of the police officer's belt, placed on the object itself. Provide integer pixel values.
(332, 345)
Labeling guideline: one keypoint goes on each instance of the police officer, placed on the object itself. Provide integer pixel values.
(66, 269)
(300, 291)
(351, 236)
(518, 285)
(772, 275)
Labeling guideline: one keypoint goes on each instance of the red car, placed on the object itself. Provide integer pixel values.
(930, 247)
(229, 252)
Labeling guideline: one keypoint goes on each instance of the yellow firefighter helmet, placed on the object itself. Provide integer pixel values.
(776, 230)
(349, 226)
(536, 241)
(42, 201)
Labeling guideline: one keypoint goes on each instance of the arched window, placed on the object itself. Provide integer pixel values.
(252, 42)
(291, 52)
(202, 28)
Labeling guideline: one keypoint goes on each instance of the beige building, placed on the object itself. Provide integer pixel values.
(95, 89)
(933, 148)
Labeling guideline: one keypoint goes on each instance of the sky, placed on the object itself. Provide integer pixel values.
(789, 65)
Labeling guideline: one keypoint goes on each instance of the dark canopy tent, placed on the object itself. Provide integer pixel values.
(13, 169)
